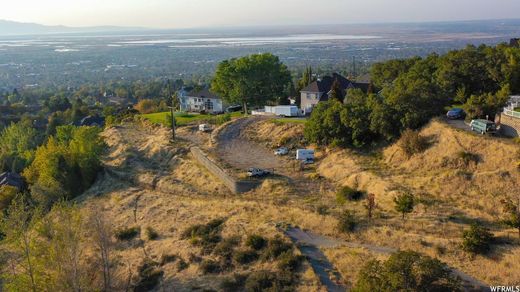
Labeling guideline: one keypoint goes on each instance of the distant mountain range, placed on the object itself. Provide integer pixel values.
(12, 28)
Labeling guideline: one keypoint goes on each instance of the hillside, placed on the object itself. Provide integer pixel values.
(453, 192)
(12, 28)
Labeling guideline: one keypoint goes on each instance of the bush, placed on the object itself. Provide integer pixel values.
(406, 271)
(225, 247)
(347, 222)
(477, 239)
(412, 142)
(322, 209)
(289, 261)
(210, 267)
(168, 258)
(149, 276)
(232, 284)
(345, 194)
(256, 242)
(205, 235)
(221, 119)
(276, 247)
(128, 233)
(269, 281)
(182, 265)
(245, 256)
(468, 157)
(151, 234)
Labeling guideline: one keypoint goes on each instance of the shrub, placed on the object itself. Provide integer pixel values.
(225, 247)
(232, 284)
(149, 276)
(269, 281)
(168, 258)
(245, 256)
(256, 242)
(412, 142)
(276, 247)
(221, 119)
(477, 239)
(151, 234)
(468, 157)
(347, 222)
(205, 235)
(210, 267)
(146, 106)
(182, 265)
(404, 204)
(322, 209)
(128, 233)
(345, 194)
(288, 261)
(406, 271)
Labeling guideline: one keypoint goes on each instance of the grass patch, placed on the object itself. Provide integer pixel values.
(289, 121)
(346, 193)
(182, 119)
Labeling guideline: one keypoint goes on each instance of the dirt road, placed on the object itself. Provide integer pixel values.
(241, 153)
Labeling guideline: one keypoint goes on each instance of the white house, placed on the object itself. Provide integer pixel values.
(200, 101)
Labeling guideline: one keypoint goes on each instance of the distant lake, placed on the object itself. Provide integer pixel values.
(301, 38)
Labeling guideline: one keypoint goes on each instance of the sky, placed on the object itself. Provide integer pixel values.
(210, 13)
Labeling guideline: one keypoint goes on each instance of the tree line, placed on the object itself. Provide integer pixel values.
(409, 92)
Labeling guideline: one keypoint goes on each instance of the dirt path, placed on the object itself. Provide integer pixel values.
(310, 245)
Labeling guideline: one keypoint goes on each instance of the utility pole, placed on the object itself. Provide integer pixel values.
(170, 96)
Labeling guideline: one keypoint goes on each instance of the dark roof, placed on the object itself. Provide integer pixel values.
(325, 85)
(12, 179)
(204, 93)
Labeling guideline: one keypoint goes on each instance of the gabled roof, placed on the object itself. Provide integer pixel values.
(12, 179)
(324, 85)
(204, 93)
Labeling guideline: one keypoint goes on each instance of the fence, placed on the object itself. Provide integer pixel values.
(234, 185)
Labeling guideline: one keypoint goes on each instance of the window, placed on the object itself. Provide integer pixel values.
(209, 105)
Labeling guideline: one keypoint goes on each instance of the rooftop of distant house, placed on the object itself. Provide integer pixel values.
(324, 85)
(204, 93)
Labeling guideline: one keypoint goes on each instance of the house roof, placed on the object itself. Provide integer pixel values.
(325, 85)
(204, 93)
(12, 179)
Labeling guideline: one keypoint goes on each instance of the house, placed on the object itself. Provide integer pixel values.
(12, 179)
(181, 95)
(202, 101)
(319, 90)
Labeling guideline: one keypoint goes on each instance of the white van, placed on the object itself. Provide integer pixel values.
(305, 155)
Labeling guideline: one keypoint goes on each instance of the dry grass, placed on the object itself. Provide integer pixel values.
(276, 134)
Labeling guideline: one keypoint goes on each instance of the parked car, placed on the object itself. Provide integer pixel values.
(281, 151)
(456, 114)
(257, 172)
(483, 126)
(204, 128)
(308, 161)
(234, 108)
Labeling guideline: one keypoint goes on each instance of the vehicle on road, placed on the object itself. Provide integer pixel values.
(456, 114)
(204, 128)
(281, 151)
(257, 172)
(305, 155)
(483, 126)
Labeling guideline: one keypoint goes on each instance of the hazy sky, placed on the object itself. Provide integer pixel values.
(204, 13)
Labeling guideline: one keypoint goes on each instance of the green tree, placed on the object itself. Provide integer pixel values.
(404, 203)
(336, 92)
(253, 79)
(512, 211)
(17, 144)
(406, 271)
(22, 242)
(477, 239)
(325, 127)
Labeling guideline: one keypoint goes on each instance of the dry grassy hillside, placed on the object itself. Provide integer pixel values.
(460, 178)
(150, 183)
(275, 134)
